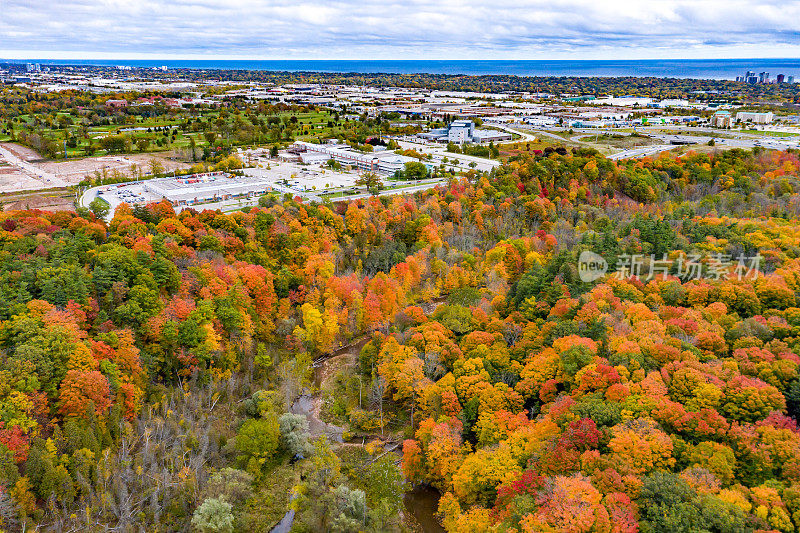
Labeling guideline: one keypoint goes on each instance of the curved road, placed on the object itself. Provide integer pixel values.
(525, 136)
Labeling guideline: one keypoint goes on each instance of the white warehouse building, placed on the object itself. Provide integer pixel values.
(342, 154)
(385, 162)
(211, 186)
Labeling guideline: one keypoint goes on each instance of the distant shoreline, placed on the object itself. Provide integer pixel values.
(715, 69)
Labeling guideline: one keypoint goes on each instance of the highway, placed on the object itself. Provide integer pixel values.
(643, 151)
(723, 139)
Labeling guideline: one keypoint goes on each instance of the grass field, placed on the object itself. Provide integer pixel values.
(149, 135)
(772, 133)
(621, 142)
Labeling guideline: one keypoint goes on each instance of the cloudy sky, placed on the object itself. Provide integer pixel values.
(393, 29)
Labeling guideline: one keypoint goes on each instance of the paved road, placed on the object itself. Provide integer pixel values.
(576, 139)
(525, 136)
(90, 194)
(636, 153)
(50, 179)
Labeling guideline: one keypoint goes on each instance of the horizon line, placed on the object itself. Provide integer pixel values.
(70, 59)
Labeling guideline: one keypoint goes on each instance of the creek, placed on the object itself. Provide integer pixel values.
(421, 505)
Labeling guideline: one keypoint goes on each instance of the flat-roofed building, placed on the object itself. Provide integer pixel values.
(755, 118)
(485, 136)
(207, 187)
(721, 119)
(313, 158)
(342, 154)
(390, 163)
(438, 134)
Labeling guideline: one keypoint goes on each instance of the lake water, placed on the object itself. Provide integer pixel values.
(671, 68)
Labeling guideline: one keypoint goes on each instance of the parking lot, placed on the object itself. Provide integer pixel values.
(279, 176)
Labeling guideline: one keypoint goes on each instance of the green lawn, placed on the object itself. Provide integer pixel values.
(772, 133)
(310, 126)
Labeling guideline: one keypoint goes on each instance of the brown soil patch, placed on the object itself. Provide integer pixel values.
(13, 180)
(45, 201)
(23, 152)
(74, 171)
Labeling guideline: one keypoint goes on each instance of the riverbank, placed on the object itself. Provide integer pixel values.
(421, 503)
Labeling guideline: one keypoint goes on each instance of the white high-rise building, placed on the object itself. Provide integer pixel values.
(755, 118)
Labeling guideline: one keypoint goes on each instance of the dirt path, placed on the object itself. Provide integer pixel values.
(420, 507)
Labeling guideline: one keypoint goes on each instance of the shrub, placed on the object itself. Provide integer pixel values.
(214, 515)
(294, 433)
(257, 441)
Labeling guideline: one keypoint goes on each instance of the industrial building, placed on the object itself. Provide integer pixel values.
(486, 136)
(463, 131)
(384, 162)
(342, 154)
(207, 187)
(390, 163)
(755, 118)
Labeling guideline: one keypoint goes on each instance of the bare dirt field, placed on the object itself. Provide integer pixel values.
(25, 170)
(12, 176)
(23, 152)
(56, 200)
(75, 171)
(12, 179)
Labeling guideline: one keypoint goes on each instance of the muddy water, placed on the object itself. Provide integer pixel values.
(325, 366)
(421, 505)
(285, 525)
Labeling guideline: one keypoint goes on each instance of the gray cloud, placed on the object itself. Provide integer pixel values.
(521, 29)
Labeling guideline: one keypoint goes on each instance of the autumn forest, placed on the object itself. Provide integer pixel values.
(205, 371)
